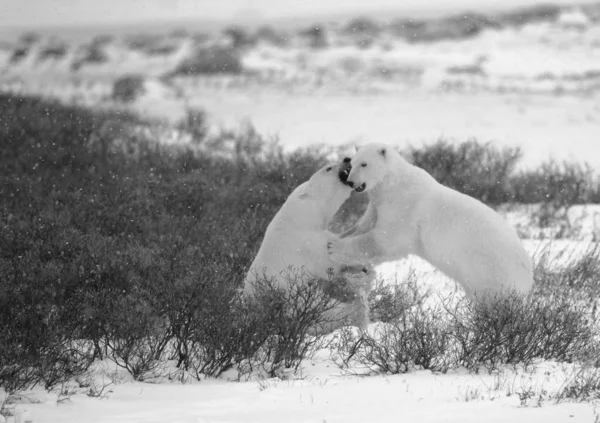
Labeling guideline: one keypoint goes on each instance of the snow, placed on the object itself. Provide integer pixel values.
(541, 126)
(535, 87)
(574, 18)
(322, 392)
(327, 396)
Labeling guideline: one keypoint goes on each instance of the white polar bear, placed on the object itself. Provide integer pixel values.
(295, 243)
(414, 214)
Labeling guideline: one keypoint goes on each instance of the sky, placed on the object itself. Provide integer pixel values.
(40, 13)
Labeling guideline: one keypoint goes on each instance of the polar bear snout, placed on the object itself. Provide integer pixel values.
(359, 188)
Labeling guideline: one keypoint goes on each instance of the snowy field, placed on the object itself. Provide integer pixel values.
(320, 391)
(536, 86)
(533, 85)
(323, 394)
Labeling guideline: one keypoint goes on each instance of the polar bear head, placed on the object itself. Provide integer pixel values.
(369, 166)
(327, 189)
(329, 181)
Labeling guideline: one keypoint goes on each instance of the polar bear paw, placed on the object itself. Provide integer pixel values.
(335, 249)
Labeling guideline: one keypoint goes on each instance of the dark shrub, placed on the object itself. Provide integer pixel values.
(558, 184)
(195, 123)
(515, 330)
(315, 36)
(128, 88)
(239, 37)
(55, 50)
(272, 36)
(210, 60)
(479, 170)
(407, 28)
(455, 27)
(363, 30)
(389, 302)
(152, 45)
(29, 38)
(525, 15)
(296, 319)
(91, 54)
(19, 53)
(121, 247)
(419, 338)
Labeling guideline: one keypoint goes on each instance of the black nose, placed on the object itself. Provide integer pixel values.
(347, 160)
(350, 184)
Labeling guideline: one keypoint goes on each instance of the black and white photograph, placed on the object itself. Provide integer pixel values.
(299, 211)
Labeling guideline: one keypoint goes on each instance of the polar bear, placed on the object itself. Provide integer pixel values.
(411, 213)
(295, 243)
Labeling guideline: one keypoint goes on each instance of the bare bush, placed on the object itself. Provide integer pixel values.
(210, 60)
(298, 316)
(420, 338)
(389, 302)
(584, 385)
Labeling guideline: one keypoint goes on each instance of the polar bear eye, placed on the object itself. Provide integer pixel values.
(363, 165)
(329, 168)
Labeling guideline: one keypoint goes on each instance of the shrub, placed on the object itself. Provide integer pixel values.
(128, 88)
(195, 124)
(239, 37)
(532, 14)
(584, 385)
(210, 60)
(419, 338)
(578, 277)
(55, 50)
(297, 318)
(272, 36)
(153, 45)
(406, 28)
(315, 36)
(362, 25)
(514, 330)
(363, 30)
(447, 28)
(19, 53)
(559, 185)
(389, 302)
(92, 53)
(98, 226)
(112, 244)
(476, 169)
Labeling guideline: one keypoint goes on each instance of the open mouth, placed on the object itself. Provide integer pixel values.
(343, 174)
(361, 187)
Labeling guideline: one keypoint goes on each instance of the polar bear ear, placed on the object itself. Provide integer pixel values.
(382, 152)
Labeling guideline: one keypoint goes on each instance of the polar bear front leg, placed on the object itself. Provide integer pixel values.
(357, 249)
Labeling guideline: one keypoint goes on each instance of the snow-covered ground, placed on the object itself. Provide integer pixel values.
(536, 87)
(327, 395)
(322, 392)
(543, 126)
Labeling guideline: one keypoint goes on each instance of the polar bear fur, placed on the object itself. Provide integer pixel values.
(414, 214)
(295, 243)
